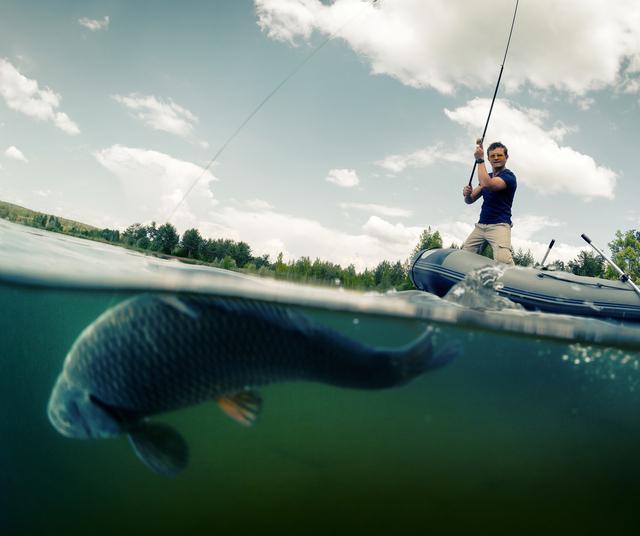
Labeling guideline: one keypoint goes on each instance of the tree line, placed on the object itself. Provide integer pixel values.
(232, 255)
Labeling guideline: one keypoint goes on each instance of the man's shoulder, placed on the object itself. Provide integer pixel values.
(507, 175)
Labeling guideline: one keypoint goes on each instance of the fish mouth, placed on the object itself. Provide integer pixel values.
(111, 412)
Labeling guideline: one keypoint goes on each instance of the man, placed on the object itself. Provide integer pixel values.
(497, 190)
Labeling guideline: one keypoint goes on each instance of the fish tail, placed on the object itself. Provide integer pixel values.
(420, 356)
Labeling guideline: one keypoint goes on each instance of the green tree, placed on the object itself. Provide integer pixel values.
(521, 258)
(241, 253)
(428, 240)
(53, 224)
(261, 262)
(587, 263)
(280, 267)
(625, 252)
(112, 235)
(387, 275)
(40, 220)
(166, 239)
(228, 263)
(190, 243)
(134, 234)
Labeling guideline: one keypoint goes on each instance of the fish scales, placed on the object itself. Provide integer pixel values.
(160, 357)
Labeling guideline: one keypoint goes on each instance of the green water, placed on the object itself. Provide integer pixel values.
(516, 435)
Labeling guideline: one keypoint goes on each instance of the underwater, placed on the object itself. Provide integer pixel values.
(531, 425)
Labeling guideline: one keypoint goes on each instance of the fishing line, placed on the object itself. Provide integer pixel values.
(264, 101)
(481, 140)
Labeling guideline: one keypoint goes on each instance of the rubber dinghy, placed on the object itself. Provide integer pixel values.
(437, 270)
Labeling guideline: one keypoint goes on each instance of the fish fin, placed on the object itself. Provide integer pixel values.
(160, 447)
(419, 356)
(181, 306)
(243, 407)
(450, 351)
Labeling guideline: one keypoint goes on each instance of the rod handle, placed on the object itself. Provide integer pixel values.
(586, 238)
(551, 243)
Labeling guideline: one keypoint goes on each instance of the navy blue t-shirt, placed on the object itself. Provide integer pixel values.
(496, 206)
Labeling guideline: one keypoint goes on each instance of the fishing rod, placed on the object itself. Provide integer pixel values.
(479, 141)
(623, 276)
(264, 101)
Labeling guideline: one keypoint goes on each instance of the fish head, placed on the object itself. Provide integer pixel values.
(76, 413)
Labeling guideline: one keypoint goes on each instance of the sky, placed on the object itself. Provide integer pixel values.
(110, 111)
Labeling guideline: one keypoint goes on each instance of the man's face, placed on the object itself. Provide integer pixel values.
(497, 158)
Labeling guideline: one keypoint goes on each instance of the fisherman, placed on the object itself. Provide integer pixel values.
(497, 190)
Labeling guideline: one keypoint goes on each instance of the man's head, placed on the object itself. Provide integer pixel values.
(498, 154)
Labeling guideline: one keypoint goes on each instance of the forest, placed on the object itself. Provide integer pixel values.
(191, 246)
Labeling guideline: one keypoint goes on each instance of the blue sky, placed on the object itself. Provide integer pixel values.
(110, 110)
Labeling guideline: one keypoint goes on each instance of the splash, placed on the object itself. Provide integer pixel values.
(480, 290)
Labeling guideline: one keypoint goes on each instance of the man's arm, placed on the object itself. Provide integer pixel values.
(471, 195)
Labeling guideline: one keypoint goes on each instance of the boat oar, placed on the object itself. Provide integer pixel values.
(623, 277)
(547, 253)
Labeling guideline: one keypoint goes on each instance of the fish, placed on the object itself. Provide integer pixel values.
(156, 353)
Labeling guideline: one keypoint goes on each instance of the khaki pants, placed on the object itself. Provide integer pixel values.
(499, 237)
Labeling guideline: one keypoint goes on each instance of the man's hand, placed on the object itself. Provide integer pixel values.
(479, 153)
(466, 191)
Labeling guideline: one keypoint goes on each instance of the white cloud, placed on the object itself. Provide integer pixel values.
(397, 163)
(24, 95)
(272, 232)
(536, 154)
(43, 193)
(154, 183)
(95, 24)
(574, 45)
(346, 178)
(15, 153)
(392, 233)
(258, 204)
(525, 226)
(381, 210)
(166, 116)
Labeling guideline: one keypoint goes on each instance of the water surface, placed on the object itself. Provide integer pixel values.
(534, 427)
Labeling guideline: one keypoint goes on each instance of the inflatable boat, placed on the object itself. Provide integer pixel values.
(437, 270)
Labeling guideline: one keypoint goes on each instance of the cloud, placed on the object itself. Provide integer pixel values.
(392, 233)
(154, 183)
(270, 232)
(446, 45)
(381, 210)
(535, 150)
(345, 178)
(397, 163)
(15, 153)
(95, 24)
(24, 95)
(525, 226)
(166, 116)
(258, 204)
